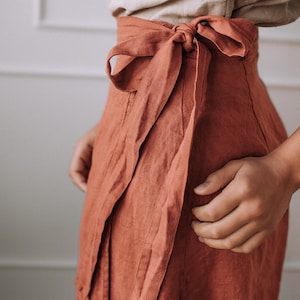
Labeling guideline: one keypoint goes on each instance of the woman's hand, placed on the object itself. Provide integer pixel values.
(81, 160)
(256, 193)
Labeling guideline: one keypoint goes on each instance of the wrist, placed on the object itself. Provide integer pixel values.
(286, 158)
(284, 169)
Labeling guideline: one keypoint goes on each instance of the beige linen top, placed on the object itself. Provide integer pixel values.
(260, 12)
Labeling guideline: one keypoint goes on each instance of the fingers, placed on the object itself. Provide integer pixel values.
(245, 240)
(224, 227)
(217, 180)
(77, 172)
(82, 157)
(252, 243)
(245, 213)
(80, 182)
(80, 164)
(79, 178)
(236, 232)
(228, 221)
(220, 206)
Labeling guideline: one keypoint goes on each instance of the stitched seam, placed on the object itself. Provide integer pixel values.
(253, 110)
(130, 100)
(182, 106)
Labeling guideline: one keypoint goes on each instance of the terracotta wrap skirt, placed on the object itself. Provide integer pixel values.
(183, 101)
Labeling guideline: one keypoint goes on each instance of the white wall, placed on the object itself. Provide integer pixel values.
(52, 89)
(280, 67)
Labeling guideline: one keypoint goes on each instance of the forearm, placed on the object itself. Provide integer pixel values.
(288, 155)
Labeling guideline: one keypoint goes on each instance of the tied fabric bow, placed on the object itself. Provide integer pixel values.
(164, 45)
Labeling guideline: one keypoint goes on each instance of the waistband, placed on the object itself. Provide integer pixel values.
(143, 38)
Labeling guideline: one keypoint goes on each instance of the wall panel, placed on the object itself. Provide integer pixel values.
(52, 89)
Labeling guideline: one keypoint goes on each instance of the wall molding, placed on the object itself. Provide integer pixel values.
(51, 72)
(282, 82)
(40, 22)
(279, 82)
(281, 38)
(38, 264)
(289, 266)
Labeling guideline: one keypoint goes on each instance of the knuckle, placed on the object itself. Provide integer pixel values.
(71, 174)
(211, 215)
(244, 249)
(231, 163)
(81, 143)
(195, 226)
(228, 244)
(216, 233)
(257, 224)
(245, 188)
(78, 144)
(258, 210)
(197, 212)
(213, 176)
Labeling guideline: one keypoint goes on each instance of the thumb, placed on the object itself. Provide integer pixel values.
(219, 179)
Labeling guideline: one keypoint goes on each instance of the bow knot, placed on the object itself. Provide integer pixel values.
(188, 30)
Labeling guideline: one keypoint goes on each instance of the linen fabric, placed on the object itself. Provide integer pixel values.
(260, 12)
(183, 101)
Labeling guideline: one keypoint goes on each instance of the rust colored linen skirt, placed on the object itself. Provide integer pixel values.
(183, 101)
